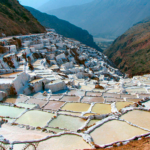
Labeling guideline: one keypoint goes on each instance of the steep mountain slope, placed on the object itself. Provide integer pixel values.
(64, 28)
(56, 4)
(105, 18)
(15, 19)
(131, 51)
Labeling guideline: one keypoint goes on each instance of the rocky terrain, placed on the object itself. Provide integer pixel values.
(15, 19)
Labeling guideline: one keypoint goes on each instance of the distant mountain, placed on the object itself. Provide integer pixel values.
(63, 27)
(105, 18)
(15, 19)
(131, 51)
(56, 4)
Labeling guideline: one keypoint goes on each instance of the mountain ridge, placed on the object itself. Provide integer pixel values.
(64, 28)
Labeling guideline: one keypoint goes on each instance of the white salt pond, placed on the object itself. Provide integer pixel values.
(113, 131)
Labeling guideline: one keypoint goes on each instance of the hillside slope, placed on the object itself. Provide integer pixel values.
(105, 18)
(15, 19)
(63, 27)
(131, 51)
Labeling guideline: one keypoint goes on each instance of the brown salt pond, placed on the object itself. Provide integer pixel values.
(133, 100)
(121, 105)
(21, 134)
(55, 97)
(35, 118)
(93, 99)
(54, 105)
(113, 99)
(102, 108)
(36, 101)
(138, 117)
(77, 107)
(128, 96)
(111, 95)
(15, 99)
(76, 92)
(64, 142)
(113, 131)
(71, 99)
(93, 94)
(68, 122)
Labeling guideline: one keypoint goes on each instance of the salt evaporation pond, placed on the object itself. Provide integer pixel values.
(54, 105)
(113, 99)
(93, 94)
(12, 112)
(77, 107)
(70, 113)
(68, 122)
(113, 131)
(35, 118)
(93, 122)
(138, 117)
(55, 97)
(101, 108)
(14, 74)
(121, 105)
(76, 92)
(134, 100)
(71, 99)
(14, 133)
(54, 129)
(30, 106)
(36, 101)
(89, 114)
(93, 99)
(64, 142)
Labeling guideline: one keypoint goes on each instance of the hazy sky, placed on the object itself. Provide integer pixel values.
(33, 3)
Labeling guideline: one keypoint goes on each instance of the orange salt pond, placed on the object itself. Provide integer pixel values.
(113, 131)
(101, 108)
(68, 122)
(77, 107)
(93, 99)
(54, 105)
(121, 105)
(64, 142)
(138, 117)
(71, 99)
(35, 118)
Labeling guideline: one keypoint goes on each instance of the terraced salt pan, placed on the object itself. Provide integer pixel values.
(12, 112)
(14, 74)
(93, 94)
(114, 99)
(114, 91)
(36, 80)
(70, 113)
(14, 133)
(76, 92)
(68, 122)
(39, 95)
(30, 106)
(144, 95)
(89, 114)
(138, 117)
(111, 95)
(77, 107)
(54, 105)
(101, 108)
(15, 99)
(133, 100)
(71, 99)
(55, 97)
(128, 96)
(120, 105)
(147, 104)
(93, 99)
(64, 142)
(36, 101)
(6, 81)
(35, 118)
(113, 131)
(136, 90)
(87, 87)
